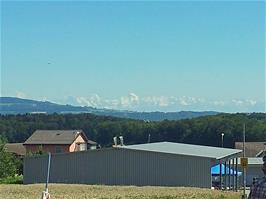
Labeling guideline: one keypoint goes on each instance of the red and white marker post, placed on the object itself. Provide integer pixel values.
(45, 193)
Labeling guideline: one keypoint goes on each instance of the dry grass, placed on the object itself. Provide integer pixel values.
(60, 191)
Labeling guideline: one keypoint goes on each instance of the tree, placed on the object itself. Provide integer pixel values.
(8, 162)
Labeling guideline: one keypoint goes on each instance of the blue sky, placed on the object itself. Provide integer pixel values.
(145, 56)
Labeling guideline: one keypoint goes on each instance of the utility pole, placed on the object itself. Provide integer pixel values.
(244, 140)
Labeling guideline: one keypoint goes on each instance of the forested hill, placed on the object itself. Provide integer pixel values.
(203, 130)
(13, 105)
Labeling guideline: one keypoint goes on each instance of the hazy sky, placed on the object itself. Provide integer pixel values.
(168, 56)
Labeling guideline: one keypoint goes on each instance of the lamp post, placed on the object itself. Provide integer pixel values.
(222, 139)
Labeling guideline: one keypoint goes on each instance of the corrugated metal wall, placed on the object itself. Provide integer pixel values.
(253, 171)
(119, 166)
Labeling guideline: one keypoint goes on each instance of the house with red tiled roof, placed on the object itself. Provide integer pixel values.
(58, 141)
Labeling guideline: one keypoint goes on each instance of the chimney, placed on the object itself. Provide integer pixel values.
(115, 141)
(121, 140)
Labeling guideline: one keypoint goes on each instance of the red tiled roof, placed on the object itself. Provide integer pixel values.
(55, 137)
(16, 148)
(251, 148)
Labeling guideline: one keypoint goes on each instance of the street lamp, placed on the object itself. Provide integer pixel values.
(222, 139)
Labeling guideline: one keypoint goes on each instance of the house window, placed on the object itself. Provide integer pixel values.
(58, 149)
(83, 147)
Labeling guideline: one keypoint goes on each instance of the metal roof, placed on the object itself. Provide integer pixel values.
(54, 137)
(186, 149)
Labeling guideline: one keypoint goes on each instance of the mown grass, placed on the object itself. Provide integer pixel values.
(60, 191)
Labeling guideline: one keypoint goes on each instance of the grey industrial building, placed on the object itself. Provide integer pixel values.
(158, 164)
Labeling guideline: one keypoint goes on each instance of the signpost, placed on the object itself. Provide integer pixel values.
(244, 165)
(244, 162)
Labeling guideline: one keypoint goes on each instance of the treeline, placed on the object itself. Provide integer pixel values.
(203, 130)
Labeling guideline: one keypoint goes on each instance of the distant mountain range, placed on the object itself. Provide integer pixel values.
(13, 105)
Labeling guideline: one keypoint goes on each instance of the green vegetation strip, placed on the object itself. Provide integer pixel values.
(12, 180)
(203, 130)
(60, 191)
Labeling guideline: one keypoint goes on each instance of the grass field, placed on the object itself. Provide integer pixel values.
(60, 191)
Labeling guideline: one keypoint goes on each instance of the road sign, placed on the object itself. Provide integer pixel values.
(244, 162)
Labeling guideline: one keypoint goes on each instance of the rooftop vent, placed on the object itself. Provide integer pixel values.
(121, 140)
(115, 141)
